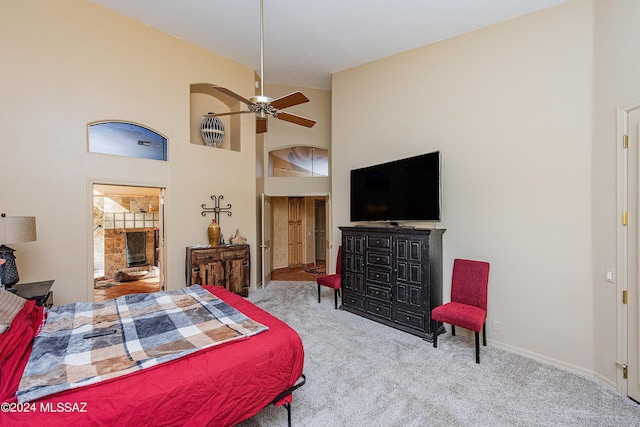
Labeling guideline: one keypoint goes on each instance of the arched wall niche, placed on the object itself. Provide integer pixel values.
(204, 100)
(128, 139)
(298, 162)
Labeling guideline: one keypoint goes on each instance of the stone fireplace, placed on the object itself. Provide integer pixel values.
(115, 249)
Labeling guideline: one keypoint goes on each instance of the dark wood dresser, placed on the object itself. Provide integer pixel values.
(223, 265)
(393, 275)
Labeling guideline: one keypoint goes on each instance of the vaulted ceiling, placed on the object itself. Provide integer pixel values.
(308, 40)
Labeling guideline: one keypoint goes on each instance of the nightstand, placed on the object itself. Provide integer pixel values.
(39, 291)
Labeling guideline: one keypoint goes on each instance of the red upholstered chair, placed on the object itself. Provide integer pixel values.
(333, 281)
(468, 306)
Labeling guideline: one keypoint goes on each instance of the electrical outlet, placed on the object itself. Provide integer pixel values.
(495, 325)
(609, 275)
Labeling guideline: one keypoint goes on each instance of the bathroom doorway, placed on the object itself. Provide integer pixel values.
(128, 236)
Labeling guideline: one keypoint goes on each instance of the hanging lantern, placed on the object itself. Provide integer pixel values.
(212, 130)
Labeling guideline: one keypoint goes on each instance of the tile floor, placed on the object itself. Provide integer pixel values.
(303, 273)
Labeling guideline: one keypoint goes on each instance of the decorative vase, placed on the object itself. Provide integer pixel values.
(214, 233)
(212, 130)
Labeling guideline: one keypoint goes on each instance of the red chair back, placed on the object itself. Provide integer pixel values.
(470, 282)
(339, 261)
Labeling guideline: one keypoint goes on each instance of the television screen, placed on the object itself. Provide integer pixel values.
(402, 190)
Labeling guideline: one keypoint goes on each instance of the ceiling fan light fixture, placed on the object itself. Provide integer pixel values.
(261, 99)
(262, 105)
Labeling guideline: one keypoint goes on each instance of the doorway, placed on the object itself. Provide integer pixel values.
(128, 236)
(297, 237)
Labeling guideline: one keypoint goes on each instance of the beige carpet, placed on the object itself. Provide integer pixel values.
(361, 373)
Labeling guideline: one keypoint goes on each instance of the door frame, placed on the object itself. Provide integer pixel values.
(266, 255)
(622, 282)
(162, 237)
(328, 235)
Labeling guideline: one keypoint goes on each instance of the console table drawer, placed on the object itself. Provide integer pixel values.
(208, 256)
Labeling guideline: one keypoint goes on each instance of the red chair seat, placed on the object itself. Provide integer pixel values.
(333, 281)
(463, 315)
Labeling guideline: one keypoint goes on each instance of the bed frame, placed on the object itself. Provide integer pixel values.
(220, 386)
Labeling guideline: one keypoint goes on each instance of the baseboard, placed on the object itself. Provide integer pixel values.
(554, 362)
(541, 358)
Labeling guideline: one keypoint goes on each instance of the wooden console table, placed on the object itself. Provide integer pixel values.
(223, 265)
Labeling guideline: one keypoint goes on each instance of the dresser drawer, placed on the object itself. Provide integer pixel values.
(353, 301)
(379, 242)
(382, 276)
(379, 292)
(413, 320)
(381, 259)
(379, 309)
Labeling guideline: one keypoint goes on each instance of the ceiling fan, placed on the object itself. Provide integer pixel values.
(265, 106)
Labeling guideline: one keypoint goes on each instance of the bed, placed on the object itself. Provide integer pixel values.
(218, 386)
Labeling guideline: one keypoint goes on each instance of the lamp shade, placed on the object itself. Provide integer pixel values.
(17, 229)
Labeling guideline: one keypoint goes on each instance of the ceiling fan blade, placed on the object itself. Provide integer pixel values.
(225, 114)
(232, 94)
(292, 118)
(261, 125)
(290, 100)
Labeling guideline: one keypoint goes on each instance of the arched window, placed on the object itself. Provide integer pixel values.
(299, 162)
(126, 139)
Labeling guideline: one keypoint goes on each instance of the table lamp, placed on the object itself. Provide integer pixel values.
(13, 229)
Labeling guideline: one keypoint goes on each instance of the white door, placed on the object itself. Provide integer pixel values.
(265, 244)
(320, 232)
(161, 240)
(633, 328)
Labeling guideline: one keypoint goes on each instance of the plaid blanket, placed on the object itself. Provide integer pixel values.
(144, 330)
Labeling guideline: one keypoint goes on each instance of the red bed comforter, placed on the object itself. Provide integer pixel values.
(220, 386)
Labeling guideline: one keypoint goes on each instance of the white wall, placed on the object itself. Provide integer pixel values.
(509, 106)
(71, 62)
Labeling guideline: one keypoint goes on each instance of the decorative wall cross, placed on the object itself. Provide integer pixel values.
(216, 209)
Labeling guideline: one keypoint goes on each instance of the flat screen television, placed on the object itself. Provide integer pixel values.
(402, 190)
